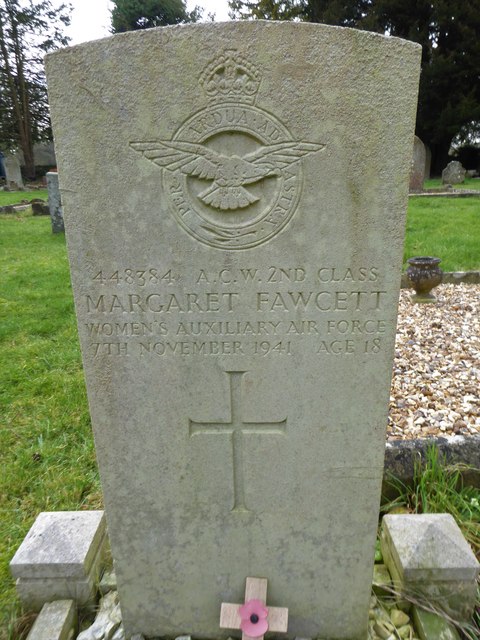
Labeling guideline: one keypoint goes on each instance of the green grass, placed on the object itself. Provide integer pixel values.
(46, 450)
(448, 228)
(15, 197)
(47, 458)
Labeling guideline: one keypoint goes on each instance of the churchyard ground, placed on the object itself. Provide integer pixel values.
(46, 448)
(15, 197)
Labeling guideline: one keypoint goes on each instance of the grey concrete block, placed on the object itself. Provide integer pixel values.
(36, 592)
(57, 621)
(61, 557)
(428, 556)
(60, 544)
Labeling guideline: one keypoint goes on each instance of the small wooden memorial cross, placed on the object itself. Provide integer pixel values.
(254, 616)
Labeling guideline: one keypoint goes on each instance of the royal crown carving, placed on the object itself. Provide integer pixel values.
(231, 78)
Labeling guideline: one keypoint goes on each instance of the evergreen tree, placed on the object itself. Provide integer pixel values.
(449, 32)
(337, 12)
(130, 15)
(28, 30)
(267, 9)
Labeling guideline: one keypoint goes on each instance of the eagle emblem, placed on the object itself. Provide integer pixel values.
(229, 174)
(232, 172)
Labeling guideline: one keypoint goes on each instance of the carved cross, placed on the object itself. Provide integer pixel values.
(231, 616)
(236, 428)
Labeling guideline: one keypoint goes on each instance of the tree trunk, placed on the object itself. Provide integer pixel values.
(25, 124)
(29, 163)
(19, 99)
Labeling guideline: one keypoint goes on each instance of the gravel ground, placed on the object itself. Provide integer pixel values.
(436, 379)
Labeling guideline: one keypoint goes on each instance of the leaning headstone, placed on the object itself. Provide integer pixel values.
(13, 172)
(234, 200)
(55, 202)
(417, 173)
(454, 173)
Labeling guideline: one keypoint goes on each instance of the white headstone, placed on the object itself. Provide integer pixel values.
(234, 202)
(13, 172)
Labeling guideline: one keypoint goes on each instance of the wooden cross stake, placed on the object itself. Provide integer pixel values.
(255, 589)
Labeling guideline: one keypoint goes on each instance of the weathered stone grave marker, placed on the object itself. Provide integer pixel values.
(235, 242)
(55, 202)
(454, 173)
(417, 173)
(13, 171)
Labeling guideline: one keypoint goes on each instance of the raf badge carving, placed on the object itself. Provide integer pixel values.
(232, 171)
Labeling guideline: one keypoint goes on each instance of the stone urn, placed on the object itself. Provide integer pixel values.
(423, 275)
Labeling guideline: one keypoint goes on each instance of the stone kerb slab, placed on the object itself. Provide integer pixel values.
(61, 557)
(432, 626)
(56, 621)
(428, 556)
(55, 202)
(234, 201)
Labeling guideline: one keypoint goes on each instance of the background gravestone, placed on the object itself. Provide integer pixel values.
(43, 154)
(55, 202)
(454, 173)
(234, 201)
(13, 171)
(417, 173)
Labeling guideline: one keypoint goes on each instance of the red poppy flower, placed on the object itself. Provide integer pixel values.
(254, 618)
